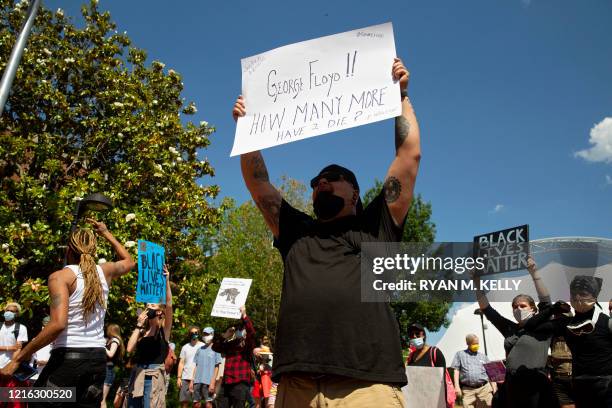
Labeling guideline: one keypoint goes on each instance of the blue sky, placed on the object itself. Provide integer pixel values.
(506, 93)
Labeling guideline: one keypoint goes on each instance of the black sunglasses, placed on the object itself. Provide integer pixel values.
(329, 176)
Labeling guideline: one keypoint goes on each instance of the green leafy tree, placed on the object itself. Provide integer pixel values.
(244, 248)
(418, 228)
(87, 113)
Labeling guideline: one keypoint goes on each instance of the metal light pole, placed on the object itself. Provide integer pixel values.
(484, 338)
(13, 62)
(94, 202)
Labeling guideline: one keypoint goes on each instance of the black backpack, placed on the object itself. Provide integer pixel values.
(15, 329)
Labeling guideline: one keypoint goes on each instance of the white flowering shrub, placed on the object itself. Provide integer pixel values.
(87, 114)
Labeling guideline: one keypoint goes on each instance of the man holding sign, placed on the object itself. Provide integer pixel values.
(331, 347)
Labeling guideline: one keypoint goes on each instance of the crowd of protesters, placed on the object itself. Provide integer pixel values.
(72, 348)
(234, 368)
(555, 357)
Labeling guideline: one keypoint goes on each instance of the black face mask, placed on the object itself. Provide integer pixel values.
(151, 313)
(327, 205)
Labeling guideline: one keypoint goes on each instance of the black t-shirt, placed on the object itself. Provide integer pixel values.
(152, 349)
(433, 354)
(592, 352)
(116, 358)
(323, 326)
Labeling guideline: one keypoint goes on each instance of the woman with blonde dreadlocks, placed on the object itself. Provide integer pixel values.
(78, 295)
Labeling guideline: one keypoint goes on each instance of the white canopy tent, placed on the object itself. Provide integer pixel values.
(464, 322)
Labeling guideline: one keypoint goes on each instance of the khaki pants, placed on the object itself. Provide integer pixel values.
(478, 397)
(303, 390)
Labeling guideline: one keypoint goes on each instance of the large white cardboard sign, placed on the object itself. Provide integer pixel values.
(317, 86)
(425, 387)
(232, 294)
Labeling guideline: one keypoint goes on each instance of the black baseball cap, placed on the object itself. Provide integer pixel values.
(334, 169)
(347, 175)
(416, 326)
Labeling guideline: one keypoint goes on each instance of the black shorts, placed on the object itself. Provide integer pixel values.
(562, 388)
(83, 368)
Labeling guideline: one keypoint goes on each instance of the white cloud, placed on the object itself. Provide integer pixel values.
(498, 208)
(601, 141)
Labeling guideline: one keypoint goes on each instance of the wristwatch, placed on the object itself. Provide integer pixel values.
(403, 94)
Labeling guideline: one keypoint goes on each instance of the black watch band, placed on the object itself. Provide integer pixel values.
(403, 94)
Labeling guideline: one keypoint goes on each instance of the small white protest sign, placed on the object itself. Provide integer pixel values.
(232, 294)
(316, 87)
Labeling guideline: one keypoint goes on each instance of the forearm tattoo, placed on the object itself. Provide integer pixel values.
(393, 188)
(402, 128)
(258, 168)
(269, 206)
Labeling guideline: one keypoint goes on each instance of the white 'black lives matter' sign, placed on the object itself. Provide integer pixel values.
(505, 250)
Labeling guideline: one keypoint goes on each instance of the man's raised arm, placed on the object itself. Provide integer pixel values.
(399, 183)
(255, 174)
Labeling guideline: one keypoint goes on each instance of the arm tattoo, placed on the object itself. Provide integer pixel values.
(56, 300)
(258, 167)
(393, 188)
(402, 128)
(269, 205)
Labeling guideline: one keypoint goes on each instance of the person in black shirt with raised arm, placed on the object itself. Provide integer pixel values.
(588, 335)
(331, 346)
(526, 345)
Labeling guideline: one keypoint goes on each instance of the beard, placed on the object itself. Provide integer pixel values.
(327, 205)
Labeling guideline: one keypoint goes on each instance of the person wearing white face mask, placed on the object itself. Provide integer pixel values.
(12, 337)
(12, 334)
(186, 366)
(588, 335)
(526, 384)
(205, 371)
(236, 344)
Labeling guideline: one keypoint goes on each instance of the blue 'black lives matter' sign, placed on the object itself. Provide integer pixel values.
(505, 250)
(151, 286)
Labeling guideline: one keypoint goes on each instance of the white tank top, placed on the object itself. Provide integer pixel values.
(77, 333)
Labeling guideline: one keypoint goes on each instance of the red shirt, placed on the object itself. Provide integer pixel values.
(238, 356)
